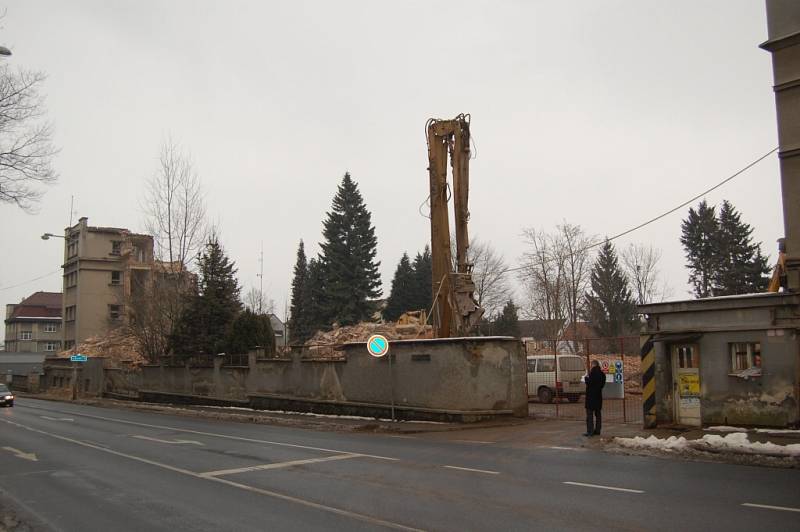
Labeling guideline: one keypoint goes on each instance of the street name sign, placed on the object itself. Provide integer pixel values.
(79, 358)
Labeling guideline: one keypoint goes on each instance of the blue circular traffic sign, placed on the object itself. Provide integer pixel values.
(618, 365)
(618, 378)
(377, 345)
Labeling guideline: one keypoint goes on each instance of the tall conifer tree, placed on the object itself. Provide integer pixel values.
(299, 325)
(204, 324)
(423, 273)
(610, 306)
(699, 236)
(742, 269)
(401, 298)
(348, 257)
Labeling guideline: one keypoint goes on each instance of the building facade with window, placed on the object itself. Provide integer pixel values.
(731, 360)
(101, 265)
(34, 324)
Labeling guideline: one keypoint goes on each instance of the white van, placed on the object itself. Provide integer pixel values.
(542, 381)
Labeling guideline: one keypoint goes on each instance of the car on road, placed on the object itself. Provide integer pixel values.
(6, 397)
(545, 381)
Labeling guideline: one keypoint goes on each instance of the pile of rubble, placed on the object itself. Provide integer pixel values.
(327, 344)
(119, 347)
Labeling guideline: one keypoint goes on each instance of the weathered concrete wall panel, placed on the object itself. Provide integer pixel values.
(481, 375)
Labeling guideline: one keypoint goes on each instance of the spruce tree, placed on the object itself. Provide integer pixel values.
(700, 239)
(401, 298)
(423, 273)
(250, 330)
(203, 326)
(507, 322)
(299, 325)
(610, 306)
(314, 299)
(741, 269)
(348, 257)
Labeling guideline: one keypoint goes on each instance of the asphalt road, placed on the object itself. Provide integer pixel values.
(87, 468)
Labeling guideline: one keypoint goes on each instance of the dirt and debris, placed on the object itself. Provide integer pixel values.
(327, 344)
(119, 347)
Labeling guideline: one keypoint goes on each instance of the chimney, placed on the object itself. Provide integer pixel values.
(783, 42)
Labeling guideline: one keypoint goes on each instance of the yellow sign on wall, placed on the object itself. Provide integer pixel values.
(689, 384)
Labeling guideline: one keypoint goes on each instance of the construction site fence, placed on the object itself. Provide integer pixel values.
(555, 378)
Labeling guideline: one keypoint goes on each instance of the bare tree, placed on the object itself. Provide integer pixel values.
(257, 302)
(175, 209)
(492, 290)
(26, 150)
(641, 266)
(577, 274)
(543, 275)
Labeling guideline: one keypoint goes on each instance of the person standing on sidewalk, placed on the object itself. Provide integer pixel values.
(595, 381)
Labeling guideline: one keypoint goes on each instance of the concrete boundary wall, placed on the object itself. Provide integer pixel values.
(455, 378)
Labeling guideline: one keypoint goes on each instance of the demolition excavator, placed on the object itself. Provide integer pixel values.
(455, 311)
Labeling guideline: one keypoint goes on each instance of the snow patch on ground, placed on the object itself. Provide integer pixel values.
(725, 428)
(779, 431)
(735, 442)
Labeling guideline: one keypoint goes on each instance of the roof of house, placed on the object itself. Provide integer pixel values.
(538, 328)
(38, 305)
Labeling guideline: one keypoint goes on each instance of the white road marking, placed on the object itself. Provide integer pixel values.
(402, 437)
(57, 418)
(598, 486)
(178, 442)
(484, 471)
(475, 441)
(22, 454)
(278, 465)
(564, 448)
(225, 436)
(268, 493)
(768, 507)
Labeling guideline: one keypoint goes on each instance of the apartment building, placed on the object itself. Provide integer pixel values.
(34, 324)
(101, 265)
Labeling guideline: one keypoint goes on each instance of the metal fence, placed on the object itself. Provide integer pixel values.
(555, 378)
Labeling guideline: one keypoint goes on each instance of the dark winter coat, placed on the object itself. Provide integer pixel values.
(594, 388)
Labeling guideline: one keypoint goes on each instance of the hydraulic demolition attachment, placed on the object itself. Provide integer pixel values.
(455, 311)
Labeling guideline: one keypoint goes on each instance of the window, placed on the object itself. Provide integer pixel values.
(545, 365)
(71, 279)
(686, 357)
(571, 364)
(51, 346)
(115, 312)
(746, 359)
(69, 344)
(116, 247)
(116, 277)
(50, 327)
(25, 335)
(69, 313)
(531, 365)
(72, 247)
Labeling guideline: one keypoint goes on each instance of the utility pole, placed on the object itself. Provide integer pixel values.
(261, 281)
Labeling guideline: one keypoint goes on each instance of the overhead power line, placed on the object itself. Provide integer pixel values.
(667, 213)
(29, 280)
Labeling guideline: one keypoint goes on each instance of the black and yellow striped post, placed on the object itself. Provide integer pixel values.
(648, 354)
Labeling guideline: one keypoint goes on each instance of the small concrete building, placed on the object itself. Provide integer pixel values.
(731, 360)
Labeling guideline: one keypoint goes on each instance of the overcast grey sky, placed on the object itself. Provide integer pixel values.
(601, 113)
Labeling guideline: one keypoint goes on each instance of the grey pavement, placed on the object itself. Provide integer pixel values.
(79, 467)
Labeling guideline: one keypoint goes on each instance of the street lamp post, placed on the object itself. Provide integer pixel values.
(48, 236)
